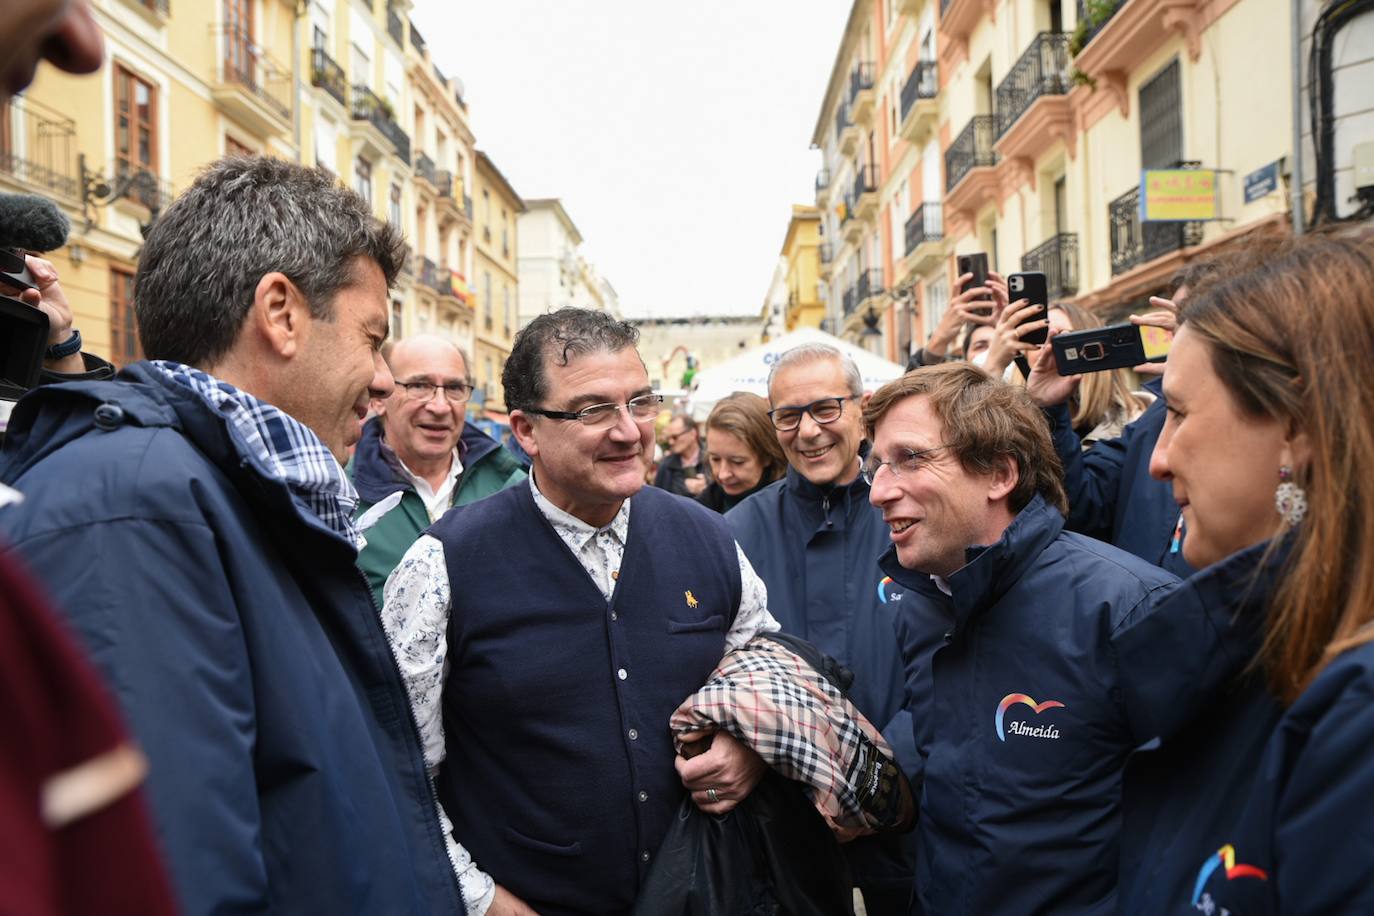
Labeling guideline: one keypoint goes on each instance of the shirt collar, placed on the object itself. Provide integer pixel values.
(574, 527)
(282, 447)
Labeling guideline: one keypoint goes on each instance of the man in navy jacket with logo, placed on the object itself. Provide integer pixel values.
(1004, 626)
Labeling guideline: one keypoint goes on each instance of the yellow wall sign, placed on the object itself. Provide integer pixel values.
(1178, 194)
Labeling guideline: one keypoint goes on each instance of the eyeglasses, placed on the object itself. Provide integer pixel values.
(825, 410)
(601, 416)
(906, 462)
(456, 392)
(673, 437)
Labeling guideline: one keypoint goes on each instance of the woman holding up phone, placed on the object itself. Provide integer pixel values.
(1257, 675)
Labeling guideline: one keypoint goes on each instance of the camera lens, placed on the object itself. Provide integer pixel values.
(1093, 351)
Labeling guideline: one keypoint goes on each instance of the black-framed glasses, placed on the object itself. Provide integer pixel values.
(905, 462)
(823, 411)
(601, 416)
(456, 392)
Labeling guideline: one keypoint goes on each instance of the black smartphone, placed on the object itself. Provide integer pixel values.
(976, 264)
(1031, 285)
(1117, 346)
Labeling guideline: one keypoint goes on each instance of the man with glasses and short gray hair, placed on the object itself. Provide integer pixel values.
(419, 456)
(815, 541)
(548, 632)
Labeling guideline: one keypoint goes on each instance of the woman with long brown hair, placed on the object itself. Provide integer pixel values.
(1257, 675)
(742, 450)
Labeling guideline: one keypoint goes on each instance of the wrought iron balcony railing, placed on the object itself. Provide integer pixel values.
(429, 275)
(822, 180)
(394, 28)
(860, 79)
(1135, 242)
(328, 75)
(1057, 259)
(368, 107)
(245, 64)
(1093, 15)
(869, 284)
(865, 181)
(1042, 70)
(925, 225)
(851, 300)
(971, 149)
(923, 83)
(424, 167)
(38, 146)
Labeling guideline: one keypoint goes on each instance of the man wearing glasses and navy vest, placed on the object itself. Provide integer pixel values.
(419, 456)
(815, 541)
(548, 632)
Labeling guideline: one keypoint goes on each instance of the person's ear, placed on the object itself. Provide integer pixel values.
(522, 427)
(280, 316)
(1296, 452)
(1003, 479)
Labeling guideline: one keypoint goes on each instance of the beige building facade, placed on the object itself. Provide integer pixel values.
(496, 272)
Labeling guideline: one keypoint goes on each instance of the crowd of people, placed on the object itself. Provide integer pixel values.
(285, 633)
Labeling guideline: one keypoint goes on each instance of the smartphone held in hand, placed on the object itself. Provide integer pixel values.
(1117, 346)
(1033, 287)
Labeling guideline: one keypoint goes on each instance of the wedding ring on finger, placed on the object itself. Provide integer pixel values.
(712, 796)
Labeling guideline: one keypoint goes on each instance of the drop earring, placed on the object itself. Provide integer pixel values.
(1289, 499)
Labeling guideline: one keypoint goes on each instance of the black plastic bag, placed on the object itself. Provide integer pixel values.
(773, 855)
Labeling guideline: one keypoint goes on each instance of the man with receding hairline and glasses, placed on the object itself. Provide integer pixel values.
(548, 632)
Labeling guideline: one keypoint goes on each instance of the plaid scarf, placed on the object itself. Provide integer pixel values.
(281, 445)
(802, 725)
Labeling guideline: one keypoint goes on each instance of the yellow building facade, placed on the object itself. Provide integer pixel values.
(801, 249)
(1020, 128)
(497, 206)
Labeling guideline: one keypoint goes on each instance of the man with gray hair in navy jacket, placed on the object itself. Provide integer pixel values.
(548, 632)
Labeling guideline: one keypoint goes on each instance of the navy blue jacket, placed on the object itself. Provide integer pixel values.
(1112, 496)
(559, 775)
(1014, 690)
(241, 640)
(1241, 806)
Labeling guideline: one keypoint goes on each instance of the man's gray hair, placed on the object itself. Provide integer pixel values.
(814, 352)
(243, 218)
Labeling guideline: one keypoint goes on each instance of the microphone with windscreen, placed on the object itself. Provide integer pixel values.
(27, 223)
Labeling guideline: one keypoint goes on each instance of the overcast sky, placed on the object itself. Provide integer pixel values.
(676, 134)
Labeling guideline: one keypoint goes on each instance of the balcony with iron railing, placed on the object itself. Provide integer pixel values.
(1057, 259)
(251, 87)
(972, 149)
(870, 285)
(822, 187)
(924, 225)
(851, 227)
(1134, 242)
(326, 74)
(428, 275)
(861, 93)
(1115, 38)
(424, 169)
(847, 133)
(37, 149)
(140, 186)
(1093, 16)
(1042, 70)
(394, 26)
(919, 106)
(851, 300)
(865, 192)
(371, 110)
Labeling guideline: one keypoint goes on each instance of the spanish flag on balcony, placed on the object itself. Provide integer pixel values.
(841, 209)
(460, 288)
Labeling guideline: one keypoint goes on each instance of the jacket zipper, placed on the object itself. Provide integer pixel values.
(415, 730)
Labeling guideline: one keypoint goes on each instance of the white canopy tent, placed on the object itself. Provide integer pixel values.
(749, 370)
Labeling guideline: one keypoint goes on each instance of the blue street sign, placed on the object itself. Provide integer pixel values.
(1261, 182)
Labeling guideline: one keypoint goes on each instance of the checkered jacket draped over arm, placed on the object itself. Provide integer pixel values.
(773, 694)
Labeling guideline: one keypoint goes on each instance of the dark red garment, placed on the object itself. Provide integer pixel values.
(57, 718)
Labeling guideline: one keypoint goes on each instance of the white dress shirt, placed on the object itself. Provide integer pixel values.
(416, 611)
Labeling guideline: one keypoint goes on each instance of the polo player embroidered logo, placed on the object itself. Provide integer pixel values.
(1225, 857)
(691, 599)
(1021, 728)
